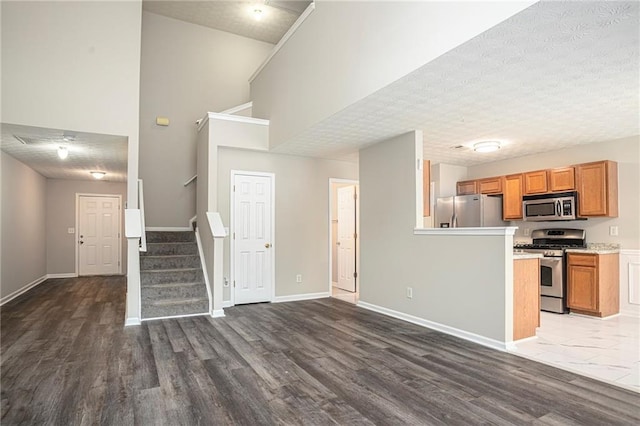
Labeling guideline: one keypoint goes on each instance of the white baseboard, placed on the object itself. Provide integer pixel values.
(472, 337)
(174, 316)
(132, 321)
(296, 297)
(24, 289)
(67, 275)
(218, 313)
(226, 304)
(168, 228)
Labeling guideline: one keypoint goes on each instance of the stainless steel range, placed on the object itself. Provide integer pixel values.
(551, 243)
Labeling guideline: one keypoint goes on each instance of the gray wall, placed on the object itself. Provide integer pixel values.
(457, 281)
(61, 215)
(302, 213)
(23, 225)
(186, 70)
(625, 151)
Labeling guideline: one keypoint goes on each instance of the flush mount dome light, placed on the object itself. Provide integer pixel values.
(98, 175)
(257, 13)
(63, 152)
(486, 146)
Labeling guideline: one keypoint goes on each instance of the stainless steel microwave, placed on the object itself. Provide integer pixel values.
(548, 207)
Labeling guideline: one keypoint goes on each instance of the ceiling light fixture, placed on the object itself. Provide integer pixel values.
(486, 146)
(257, 13)
(63, 152)
(98, 175)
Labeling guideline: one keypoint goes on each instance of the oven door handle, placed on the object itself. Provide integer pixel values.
(558, 209)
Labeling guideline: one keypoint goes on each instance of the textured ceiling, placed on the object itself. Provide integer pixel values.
(87, 152)
(556, 74)
(234, 16)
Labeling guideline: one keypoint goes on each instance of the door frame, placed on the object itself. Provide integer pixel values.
(120, 210)
(331, 242)
(232, 245)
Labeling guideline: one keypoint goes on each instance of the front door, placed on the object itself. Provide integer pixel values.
(98, 235)
(347, 238)
(252, 236)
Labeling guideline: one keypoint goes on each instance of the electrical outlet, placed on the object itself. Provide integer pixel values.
(527, 232)
(409, 293)
(613, 231)
(299, 278)
(226, 282)
(71, 230)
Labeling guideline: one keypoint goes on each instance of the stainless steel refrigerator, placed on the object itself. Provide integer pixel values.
(469, 211)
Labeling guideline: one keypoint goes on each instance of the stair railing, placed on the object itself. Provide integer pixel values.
(143, 236)
(194, 177)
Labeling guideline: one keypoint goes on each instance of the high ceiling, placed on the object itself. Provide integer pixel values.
(555, 75)
(38, 148)
(235, 17)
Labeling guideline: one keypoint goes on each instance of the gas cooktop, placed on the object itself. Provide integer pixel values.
(548, 246)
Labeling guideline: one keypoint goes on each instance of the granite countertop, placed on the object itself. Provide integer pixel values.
(597, 248)
(522, 255)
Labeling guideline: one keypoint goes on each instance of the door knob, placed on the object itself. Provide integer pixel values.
(267, 245)
(338, 243)
(81, 242)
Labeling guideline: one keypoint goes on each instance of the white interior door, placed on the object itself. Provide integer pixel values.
(98, 235)
(252, 238)
(347, 238)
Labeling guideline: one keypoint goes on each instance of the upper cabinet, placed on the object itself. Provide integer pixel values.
(535, 182)
(562, 179)
(597, 189)
(490, 185)
(512, 197)
(467, 187)
(596, 184)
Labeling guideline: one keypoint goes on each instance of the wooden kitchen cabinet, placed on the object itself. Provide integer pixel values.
(490, 185)
(597, 185)
(562, 179)
(593, 284)
(535, 182)
(467, 187)
(526, 297)
(512, 197)
(426, 188)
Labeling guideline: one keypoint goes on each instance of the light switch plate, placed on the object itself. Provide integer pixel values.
(613, 231)
(71, 230)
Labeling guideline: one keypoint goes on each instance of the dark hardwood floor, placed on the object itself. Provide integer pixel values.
(66, 359)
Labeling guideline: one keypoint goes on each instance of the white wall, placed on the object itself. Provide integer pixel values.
(186, 70)
(74, 66)
(459, 282)
(61, 215)
(626, 152)
(301, 209)
(345, 51)
(23, 225)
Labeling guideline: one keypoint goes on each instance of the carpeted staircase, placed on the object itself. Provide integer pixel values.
(172, 282)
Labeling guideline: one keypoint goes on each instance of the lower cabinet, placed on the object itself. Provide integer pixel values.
(593, 284)
(526, 297)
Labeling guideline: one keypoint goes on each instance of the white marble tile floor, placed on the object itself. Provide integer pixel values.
(603, 349)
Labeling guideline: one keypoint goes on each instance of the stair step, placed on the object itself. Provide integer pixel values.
(168, 276)
(175, 307)
(180, 261)
(172, 291)
(170, 236)
(159, 249)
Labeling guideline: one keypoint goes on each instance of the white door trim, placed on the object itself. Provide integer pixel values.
(75, 235)
(232, 225)
(330, 239)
